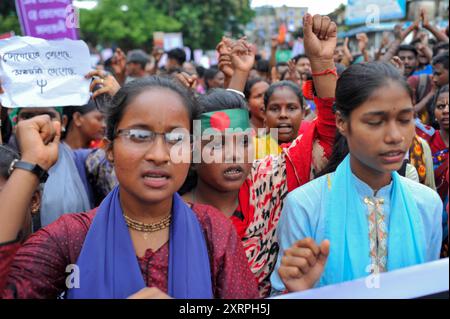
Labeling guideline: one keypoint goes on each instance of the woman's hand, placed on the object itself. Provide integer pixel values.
(39, 138)
(399, 64)
(242, 56)
(347, 52)
(274, 75)
(424, 18)
(302, 265)
(118, 64)
(363, 40)
(109, 84)
(274, 43)
(242, 59)
(320, 42)
(224, 48)
(235, 56)
(415, 26)
(320, 37)
(385, 40)
(189, 81)
(294, 74)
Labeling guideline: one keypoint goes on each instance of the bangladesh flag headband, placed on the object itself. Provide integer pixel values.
(225, 119)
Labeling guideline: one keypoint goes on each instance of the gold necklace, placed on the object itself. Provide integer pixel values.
(148, 228)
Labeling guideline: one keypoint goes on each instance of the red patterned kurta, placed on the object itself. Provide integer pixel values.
(261, 197)
(37, 269)
(440, 159)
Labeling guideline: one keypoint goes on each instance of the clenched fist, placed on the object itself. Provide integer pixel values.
(302, 265)
(39, 139)
(320, 37)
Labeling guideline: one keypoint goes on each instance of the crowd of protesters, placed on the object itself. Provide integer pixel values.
(326, 169)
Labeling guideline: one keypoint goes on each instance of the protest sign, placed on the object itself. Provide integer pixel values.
(417, 281)
(36, 72)
(173, 41)
(48, 19)
(158, 40)
(283, 55)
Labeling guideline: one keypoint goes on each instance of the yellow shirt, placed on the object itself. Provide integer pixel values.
(265, 145)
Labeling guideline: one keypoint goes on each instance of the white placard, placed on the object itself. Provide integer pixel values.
(39, 73)
(173, 41)
(408, 283)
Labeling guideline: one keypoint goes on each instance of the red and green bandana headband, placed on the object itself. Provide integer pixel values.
(225, 119)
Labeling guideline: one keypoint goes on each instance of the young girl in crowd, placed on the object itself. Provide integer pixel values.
(220, 181)
(363, 218)
(66, 189)
(84, 133)
(263, 142)
(283, 110)
(31, 218)
(254, 202)
(214, 78)
(84, 125)
(254, 94)
(438, 141)
(143, 234)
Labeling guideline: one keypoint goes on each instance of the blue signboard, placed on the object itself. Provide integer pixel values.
(370, 11)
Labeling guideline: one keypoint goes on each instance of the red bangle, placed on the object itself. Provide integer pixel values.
(326, 72)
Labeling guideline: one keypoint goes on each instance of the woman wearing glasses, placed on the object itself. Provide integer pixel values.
(142, 241)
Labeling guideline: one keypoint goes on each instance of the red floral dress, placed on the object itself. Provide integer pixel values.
(37, 269)
(262, 195)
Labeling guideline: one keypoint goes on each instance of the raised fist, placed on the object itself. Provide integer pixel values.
(320, 37)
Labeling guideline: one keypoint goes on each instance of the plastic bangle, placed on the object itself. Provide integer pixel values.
(237, 92)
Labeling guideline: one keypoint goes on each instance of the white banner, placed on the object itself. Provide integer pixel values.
(408, 283)
(173, 41)
(39, 73)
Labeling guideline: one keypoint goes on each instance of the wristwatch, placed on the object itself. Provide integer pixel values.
(33, 168)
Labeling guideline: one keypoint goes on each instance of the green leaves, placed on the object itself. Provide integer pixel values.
(204, 22)
(109, 22)
(131, 23)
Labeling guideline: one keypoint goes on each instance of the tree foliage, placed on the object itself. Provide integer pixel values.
(8, 17)
(206, 21)
(125, 23)
(131, 23)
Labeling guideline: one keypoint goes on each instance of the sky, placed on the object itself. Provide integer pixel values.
(315, 6)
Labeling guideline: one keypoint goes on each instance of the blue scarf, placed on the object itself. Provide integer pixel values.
(64, 191)
(347, 228)
(108, 265)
